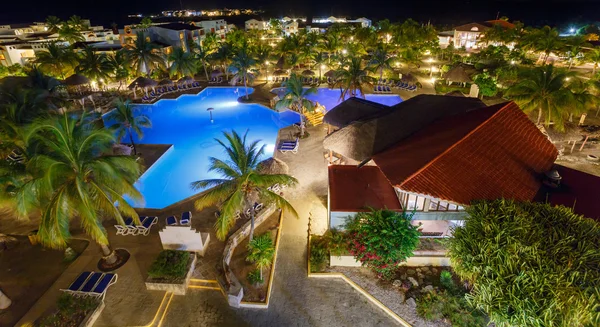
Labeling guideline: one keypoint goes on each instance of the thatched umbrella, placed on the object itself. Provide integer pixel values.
(272, 166)
(76, 80)
(143, 83)
(186, 80)
(280, 72)
(216, 73)
(308, 72)
(409, 78)
(165, 82)
(280, 63)
(351, 141)
(121, 149)
(330, 73)
(457, 74)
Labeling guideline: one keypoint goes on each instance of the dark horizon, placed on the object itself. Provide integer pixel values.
(438, 12)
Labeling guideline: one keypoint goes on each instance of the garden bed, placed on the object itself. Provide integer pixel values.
(241, 268)
(21, 277)
(73, 312)
(171, 272)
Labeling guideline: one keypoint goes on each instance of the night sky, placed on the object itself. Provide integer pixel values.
(531, 12)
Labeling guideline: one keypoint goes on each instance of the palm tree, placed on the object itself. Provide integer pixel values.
(240, 184)
(203, 56)
(330, 44)
(70, 34)
(76, 22)
(352, 79)
(241, 65)
(546, 90)
(261, 251)
(53, 23)
(545, 40)
(575, 45)
(70, 177)
(144, 55)
(95, 66)
(127, 121)
(380, 60)
(57, 60)
(182, 63)
(594, 57)
(295, 98)
(120, 67)
(223, 56)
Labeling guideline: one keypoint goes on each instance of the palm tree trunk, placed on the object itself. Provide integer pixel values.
(131, 140)
(539, 118)
(261, 274)
(5, 301)
(594, 69)
(251, 223)
(246, 86)
(381, 74)
(206, 73)
(108, 254)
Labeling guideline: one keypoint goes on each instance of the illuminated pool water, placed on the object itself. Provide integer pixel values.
(185, 123)
(331, 97)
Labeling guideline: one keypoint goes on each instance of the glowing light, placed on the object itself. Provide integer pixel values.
(512, 62)
(572, 30)
(567, 79)
(397, 64)
(344, 51)
(433, 79)
(269, 147)
(434, 69)
(267, 62)
(322, 66)
(94, 83)
(352, 38)
(427, 52)
(430, 60)
(228, 104)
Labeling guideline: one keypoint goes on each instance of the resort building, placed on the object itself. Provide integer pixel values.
(254, 24)
(364, 22)
(290, 28)
(432, 155)
(21, 51)
(218, 26)
(469, 35)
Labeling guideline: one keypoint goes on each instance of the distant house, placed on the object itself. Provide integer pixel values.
(290, 28)
(469, 35)
(254, 24)
(434, 156)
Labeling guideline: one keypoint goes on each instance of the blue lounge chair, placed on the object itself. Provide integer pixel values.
(292, 143)
(293, 148)
(104, 283)
(91, 282)
(387, 89)
(171, 221)
(186, 218)
(147, 223)
(76, 285)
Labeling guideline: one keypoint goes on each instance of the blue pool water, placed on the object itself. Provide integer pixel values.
(331, 97)
(185, 123)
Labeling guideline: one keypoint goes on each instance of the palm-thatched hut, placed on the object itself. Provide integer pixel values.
(308, 72)
(216, 73)
(330, 73)
(186, 80)
(76, 80)
(142, 83)
(280, 72)
(272, 166)
(457, 74)
(165, 82)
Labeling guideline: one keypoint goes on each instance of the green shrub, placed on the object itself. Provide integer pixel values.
(382, 239)
(443, 305)
(71, 311)
(337, 242)
(170, 264)
(318, 253)
(254, 277)
(530, 264)
(447, 282)
(261, 251)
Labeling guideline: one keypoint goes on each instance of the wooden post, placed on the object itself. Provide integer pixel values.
(583, 144)
(573, 147)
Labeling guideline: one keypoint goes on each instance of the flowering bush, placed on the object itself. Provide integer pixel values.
(382, 239)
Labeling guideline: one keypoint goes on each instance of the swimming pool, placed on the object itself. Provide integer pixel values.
(331, 97)
(185, 123)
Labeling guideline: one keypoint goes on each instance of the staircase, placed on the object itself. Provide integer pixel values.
(314, 118)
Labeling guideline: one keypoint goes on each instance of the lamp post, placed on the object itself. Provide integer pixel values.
(210, 110)
(267, 73)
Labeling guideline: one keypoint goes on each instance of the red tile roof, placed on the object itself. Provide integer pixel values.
(501, 22)
(487, 153)
(353, 189)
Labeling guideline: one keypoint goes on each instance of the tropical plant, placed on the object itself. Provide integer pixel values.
(57, 60)
(455, 309)
(295, 97)
(382, 239)
(76, 22)
(261, 252)
(53, 23)
(126, 120)
(487, 85)
(170, 265)
(70, 34)
(120, 66)
(544, 40)
(380, 60)
(69, 176)
(353, 79)
(594, 57)
(95, 66)
(546, 90)
(144, 55)
(146, 22)
(319, 253)
(513, 253)
(241, 185)
(241, 66)
(182, 63)
(203, 57)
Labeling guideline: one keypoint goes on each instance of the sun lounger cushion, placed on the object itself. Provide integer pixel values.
(171, 221)
(91, 282)
(185, 218)
(76, 285)
(103, 283)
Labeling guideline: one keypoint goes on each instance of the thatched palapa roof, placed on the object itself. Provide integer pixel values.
(76, 80)
(308, 72)
(186, 79)
(165, 82)
(142, 82)
(280, 72)
(272, 166)
(330, 73)
(352, 110)
(216, 73)
(458, 74)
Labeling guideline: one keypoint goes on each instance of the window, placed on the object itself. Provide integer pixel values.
(414, 202)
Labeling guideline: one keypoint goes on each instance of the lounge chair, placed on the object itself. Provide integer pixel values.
(186, 218)
(78, 283)
(147, 223)
(99, 290)
(220, 80)
(212, 80)
(131, 228)
(387, 89)
(290, 142)
(121, 230)
(293, 148)
(171, 221)
(91, 282)
(258, 206)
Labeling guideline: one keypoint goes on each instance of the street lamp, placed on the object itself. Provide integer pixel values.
(344, 51)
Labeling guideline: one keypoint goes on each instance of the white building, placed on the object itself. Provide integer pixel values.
(290, 28)
(254, 24)
(218, 26)
(364, 22)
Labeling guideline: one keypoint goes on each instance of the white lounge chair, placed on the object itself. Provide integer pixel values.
(147, 223)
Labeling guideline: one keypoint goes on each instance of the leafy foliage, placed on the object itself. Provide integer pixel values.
(530, 264)
(337, 242)
(170, 264)
(127, 120)
(261, 251)
(487, 84)
(255, 277)
(382, 239)
(71, 311)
